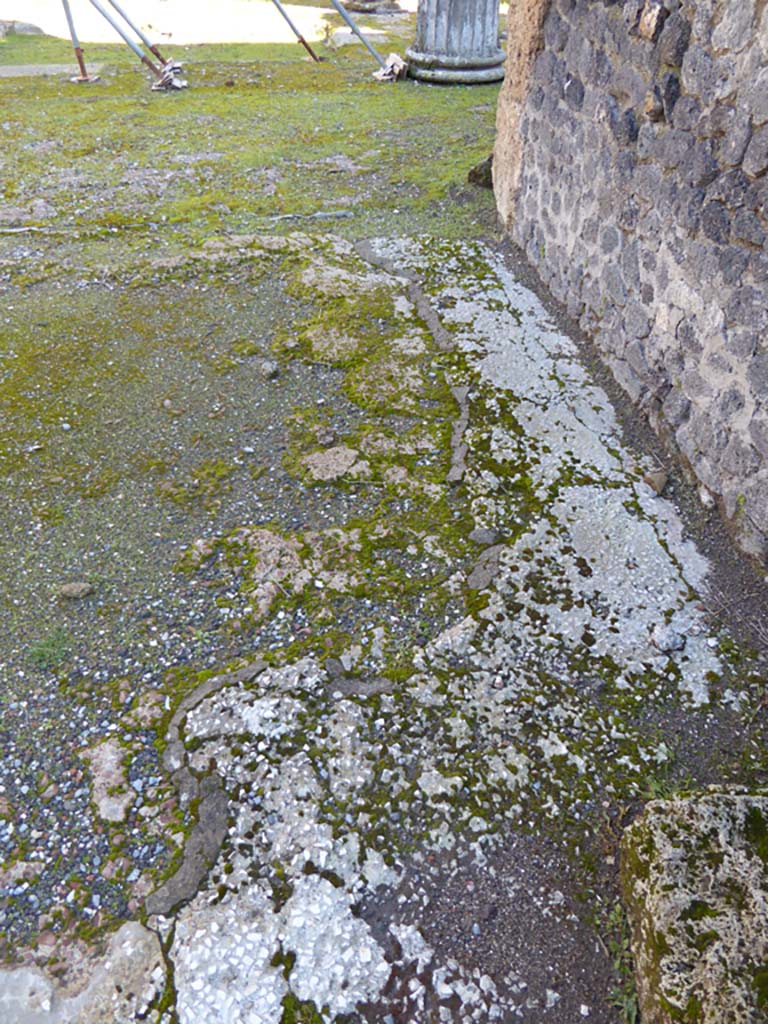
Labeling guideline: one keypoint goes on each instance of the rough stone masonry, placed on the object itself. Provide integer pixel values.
(631, 167)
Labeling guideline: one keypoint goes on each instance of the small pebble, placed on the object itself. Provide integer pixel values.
(76, 590)
(657, 480)
(484, 536)
(270, 369)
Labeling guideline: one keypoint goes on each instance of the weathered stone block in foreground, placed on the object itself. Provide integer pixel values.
(695, 881)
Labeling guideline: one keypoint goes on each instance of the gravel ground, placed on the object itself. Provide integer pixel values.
(344, 631)
(423, 783)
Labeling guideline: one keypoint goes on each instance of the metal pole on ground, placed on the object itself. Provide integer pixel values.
(133, 45)
(147, 42)
(83, 76)
(296, 32)
(374, 53)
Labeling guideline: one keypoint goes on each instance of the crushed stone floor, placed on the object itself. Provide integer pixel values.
(463, 639)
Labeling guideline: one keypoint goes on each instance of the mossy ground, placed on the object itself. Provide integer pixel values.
(135, 414)
(149, 447)
(261, 140)
(555, 736)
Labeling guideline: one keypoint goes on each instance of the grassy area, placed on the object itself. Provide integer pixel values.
(261, 139)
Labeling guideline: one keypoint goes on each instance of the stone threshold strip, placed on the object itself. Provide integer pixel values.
(333, 792)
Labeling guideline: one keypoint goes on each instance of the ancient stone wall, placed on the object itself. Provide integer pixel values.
(631, 167)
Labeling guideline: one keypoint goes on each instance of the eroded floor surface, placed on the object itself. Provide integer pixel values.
(376, 633)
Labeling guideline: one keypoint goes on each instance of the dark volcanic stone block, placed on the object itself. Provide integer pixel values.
(674, 40)
(756, 157)
(715, 223)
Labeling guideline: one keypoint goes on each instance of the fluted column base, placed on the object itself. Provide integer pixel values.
(430, 67)
(457, 41)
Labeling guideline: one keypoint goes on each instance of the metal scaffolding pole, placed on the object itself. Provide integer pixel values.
(83, 76)
(147, 42)
(296, 32)
(374, 53)
(131, 42)
(168, 75)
